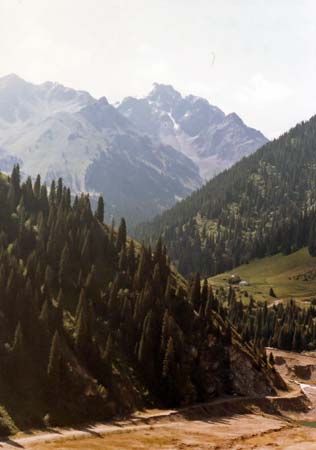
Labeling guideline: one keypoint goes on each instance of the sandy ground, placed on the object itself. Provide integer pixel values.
(194, 429)
(222, 433)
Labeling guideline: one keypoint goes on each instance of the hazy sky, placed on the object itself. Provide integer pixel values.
(265, 51)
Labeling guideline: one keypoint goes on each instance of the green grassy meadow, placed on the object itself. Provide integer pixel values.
(289, 276)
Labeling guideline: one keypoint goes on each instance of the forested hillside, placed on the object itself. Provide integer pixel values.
(285, 326)
(93, 325)
(263, 205)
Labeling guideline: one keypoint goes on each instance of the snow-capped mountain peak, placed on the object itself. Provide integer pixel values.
(164, 95)
(201, 131)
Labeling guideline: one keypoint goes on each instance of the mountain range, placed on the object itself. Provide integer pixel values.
(143, 155)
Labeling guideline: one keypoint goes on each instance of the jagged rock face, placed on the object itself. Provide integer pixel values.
(213, 362)
(191, 125)
(60, 132)
(245, 378)
(230, 370)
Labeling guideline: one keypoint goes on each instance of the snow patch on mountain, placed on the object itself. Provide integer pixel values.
(202, 132)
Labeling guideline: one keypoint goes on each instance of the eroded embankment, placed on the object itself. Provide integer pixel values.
(231, 422)
(214, 420)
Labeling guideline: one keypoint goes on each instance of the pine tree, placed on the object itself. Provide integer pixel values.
(100, 209)
(165, 331)
(59, 191)
(157, 282)
(108, 351)
(55, 359)
(123, 260)
(37, 187)
(142, 269)
(18, 356)
(312, 242)
(168, 361)
(297, 339)
(64, 275)
(158, 253)
(82, 304)
(52, 193)
(131, 259)
(228, 334)
(43, 200)
(18, 343)
(57, 371)
(83, 336)
(195, 296)
(49, 278)
(14, 192)
(204, 294)
(121, 237)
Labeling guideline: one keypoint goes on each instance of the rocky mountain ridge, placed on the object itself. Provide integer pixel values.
(143, 155)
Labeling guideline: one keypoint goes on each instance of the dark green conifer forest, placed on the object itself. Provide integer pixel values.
(284, 325)
(263, 205)
(94, 325)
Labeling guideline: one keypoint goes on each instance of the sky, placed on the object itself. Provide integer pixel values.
(254, 57)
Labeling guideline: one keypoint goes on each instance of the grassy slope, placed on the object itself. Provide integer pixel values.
(277, 272)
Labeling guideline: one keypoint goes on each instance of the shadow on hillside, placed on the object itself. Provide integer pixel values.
(224, 411)
(90, 431)
(11, 443)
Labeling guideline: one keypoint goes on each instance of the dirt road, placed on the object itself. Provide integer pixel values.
(165, 434)
(229, 423)
(218, 425)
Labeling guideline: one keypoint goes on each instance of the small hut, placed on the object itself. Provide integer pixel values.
(234, 279)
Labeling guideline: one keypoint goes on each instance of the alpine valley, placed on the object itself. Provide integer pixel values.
(157, 253)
